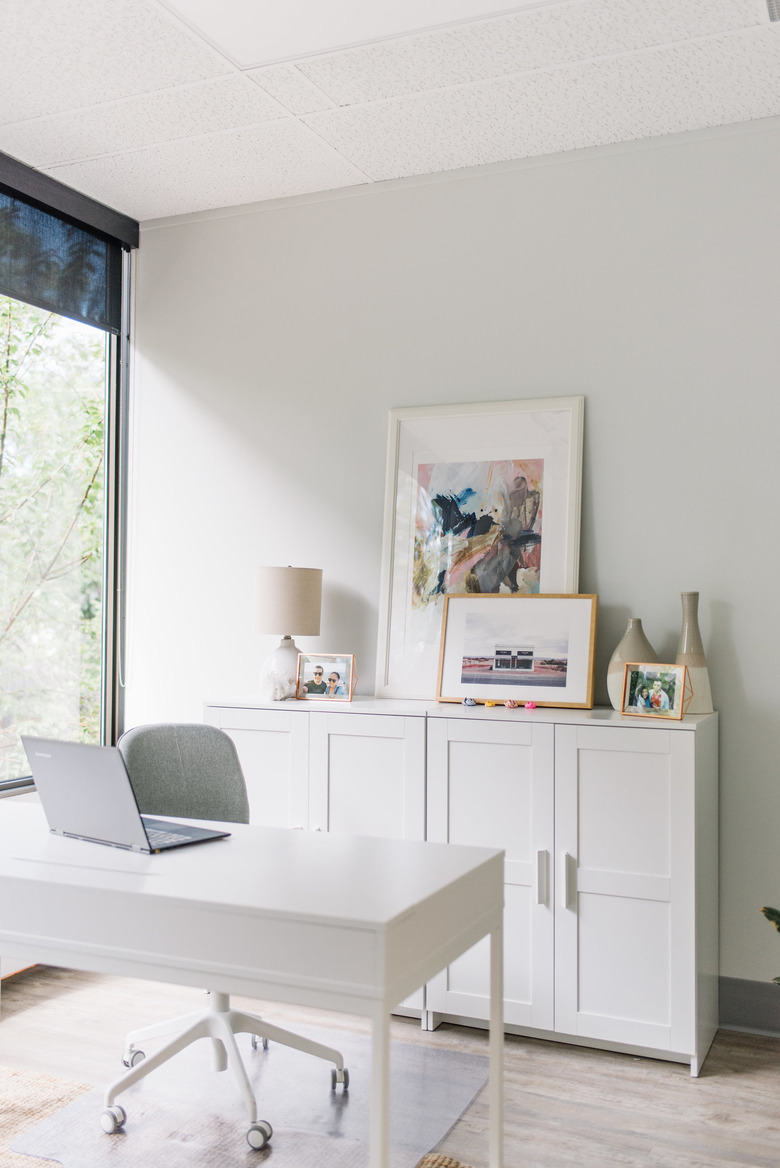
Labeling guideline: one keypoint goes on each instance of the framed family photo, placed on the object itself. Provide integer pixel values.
(479, 499)
(651, 690)
(328, 677)
(523, 648)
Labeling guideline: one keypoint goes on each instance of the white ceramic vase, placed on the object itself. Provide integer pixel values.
(690, 652)
(633, 646)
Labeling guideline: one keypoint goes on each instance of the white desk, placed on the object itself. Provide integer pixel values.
(338, 922)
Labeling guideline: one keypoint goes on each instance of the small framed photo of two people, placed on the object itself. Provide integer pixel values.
(651, 690)
(326, 677)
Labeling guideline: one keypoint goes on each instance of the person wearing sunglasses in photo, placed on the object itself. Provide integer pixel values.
(317, 686)
(334, 688)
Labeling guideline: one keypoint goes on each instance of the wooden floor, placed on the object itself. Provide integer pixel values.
(564, 1105)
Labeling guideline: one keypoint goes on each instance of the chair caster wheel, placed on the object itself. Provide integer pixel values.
(133, 1058)
(256, 1042)
(259, 1134)
(112, 1119)
(337, 1077)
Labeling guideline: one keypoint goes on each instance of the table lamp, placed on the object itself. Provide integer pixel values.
(289, 602)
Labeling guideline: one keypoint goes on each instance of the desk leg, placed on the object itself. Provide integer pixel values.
(379, 1137)
(496, 1089)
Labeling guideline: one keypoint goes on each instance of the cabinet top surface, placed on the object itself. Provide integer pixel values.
(397, 707)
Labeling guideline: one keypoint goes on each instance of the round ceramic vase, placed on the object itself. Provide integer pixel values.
(690, 652)
(633, 646)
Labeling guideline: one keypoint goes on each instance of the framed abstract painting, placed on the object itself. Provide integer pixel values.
(479, 499)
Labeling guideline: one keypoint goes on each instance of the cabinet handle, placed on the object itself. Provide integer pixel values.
(542, 870)
(566, 881)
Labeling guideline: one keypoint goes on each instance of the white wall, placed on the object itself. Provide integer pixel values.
(272, 341)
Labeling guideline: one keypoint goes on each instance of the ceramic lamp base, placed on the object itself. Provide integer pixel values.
(279, 671)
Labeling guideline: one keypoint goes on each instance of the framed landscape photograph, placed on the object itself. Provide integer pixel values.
(525, 648)
(651, 690)
(479, 499)
(326, 677)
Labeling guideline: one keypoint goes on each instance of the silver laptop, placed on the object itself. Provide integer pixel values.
(86, 794)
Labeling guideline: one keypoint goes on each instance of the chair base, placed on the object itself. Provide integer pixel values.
(220, 1023)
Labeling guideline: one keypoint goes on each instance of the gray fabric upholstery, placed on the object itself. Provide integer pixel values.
(185, 769)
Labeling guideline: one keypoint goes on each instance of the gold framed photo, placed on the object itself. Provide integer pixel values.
(654, 690)
(501, 647)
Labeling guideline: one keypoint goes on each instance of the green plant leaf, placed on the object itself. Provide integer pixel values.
(772, 915)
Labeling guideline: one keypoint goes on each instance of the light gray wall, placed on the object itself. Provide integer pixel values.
(272, 341)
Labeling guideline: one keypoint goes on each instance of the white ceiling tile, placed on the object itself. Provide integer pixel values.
(263, 162)
(59, 56)
(714, 82)
(259, 34)
(291, 89)
(538, 39)
(206, 107)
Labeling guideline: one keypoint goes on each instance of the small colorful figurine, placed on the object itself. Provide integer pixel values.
(489, 703)
(530, 705)
(511, 705)
(469, 702)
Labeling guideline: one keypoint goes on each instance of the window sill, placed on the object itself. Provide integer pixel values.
(16, 786)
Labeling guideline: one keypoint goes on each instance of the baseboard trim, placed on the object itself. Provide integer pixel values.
(749, 1005)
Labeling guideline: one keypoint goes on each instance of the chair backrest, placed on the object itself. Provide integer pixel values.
(185, 769)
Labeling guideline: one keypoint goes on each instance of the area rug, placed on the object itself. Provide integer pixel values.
(184, 1115)
(24, 1097)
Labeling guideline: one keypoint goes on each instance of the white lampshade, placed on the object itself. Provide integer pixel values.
(289, 602)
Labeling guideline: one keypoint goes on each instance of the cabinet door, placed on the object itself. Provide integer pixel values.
(273, 748)
(367, 777)
(624, 941)
(367, 774)
(491, 784)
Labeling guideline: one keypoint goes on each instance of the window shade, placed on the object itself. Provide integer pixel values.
(57, 266)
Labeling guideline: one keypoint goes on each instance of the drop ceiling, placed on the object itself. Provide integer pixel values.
(165, 107)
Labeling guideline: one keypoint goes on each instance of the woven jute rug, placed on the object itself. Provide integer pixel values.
(436, 1160)
(25, 1098)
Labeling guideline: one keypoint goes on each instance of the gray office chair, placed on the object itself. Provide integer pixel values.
(193, 772)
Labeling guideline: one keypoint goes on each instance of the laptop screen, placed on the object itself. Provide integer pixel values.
(86, 792)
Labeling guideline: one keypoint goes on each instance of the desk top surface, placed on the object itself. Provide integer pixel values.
(352, 880)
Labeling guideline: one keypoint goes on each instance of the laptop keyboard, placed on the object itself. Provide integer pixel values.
(158, 837)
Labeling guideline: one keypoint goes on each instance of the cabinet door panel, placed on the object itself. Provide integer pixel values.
(468, 976)
(273, 750)
(491, 785)
(624, 811)
(367, 775)
(624, 814)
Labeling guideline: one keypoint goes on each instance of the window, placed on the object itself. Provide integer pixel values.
(62, 342)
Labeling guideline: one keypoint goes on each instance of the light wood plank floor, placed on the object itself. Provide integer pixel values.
(564, 1105)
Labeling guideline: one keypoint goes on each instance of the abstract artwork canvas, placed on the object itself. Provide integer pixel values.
(478, 528)
(479, 500)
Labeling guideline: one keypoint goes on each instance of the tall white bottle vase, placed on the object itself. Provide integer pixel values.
(690, 652)
(633, 646)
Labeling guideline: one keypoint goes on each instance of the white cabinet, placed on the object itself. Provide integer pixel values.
(610, 832)
(610, 829)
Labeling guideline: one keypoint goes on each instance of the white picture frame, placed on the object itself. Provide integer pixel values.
(469, 454)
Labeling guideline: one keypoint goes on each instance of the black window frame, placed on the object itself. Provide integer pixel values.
(39, 190)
